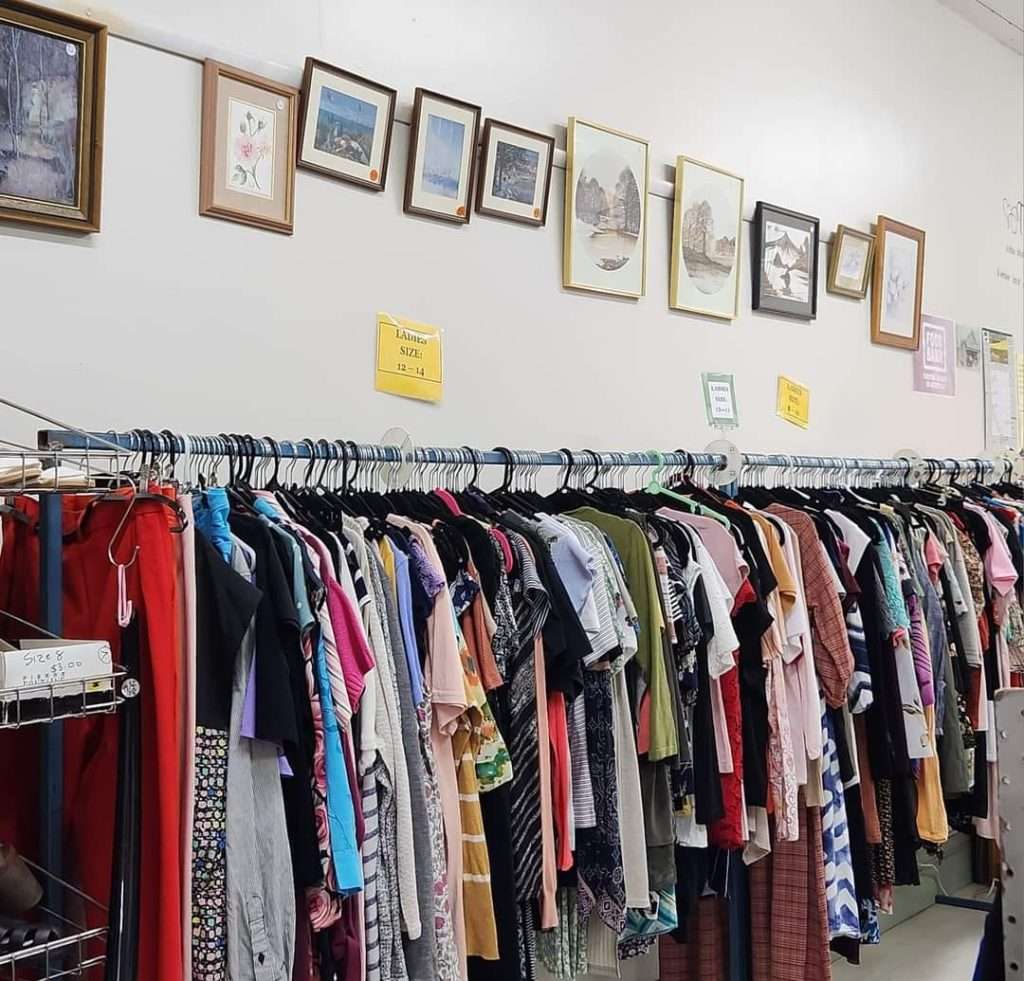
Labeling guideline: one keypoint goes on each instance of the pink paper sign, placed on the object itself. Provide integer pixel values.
(935, 357)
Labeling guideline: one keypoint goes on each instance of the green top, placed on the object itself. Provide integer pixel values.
(635, 552)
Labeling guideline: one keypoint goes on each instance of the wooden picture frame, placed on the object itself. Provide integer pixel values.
(523, 198)
(899, 264)
(784, 261)
(850, 259)
(346, 153)
(247, 174)
(51, 154)
(599, 246)
(436, 185)
(699, 281)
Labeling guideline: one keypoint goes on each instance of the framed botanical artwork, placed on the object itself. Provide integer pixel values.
(849, 262)
(442, 157)
(896, 284)
(345, 125)
(247, 165)
(706, 224)
(52, 78)
(784, 261)
(515, 173)
(604, 247)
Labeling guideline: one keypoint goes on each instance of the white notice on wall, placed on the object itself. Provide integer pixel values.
(999, 364)
(720, 400)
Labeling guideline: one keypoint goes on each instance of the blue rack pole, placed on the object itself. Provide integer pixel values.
(51, 542)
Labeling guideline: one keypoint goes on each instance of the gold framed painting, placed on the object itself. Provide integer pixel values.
(604, 246)
(52, 79)
(849, 262)
(896, 284)
(247, 165)
(706, 224)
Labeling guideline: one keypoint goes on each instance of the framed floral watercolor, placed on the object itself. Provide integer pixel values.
(849, 262)
(896, 284)
(707, 219)
(247, 165)
(515, 174)
(52, 77)
(442, 157)
(604, 248)
(784, 261)
(345, 125)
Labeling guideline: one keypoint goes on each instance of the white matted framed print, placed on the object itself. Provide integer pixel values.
(604, 247)
(896, 284)
(515, 173)
(707, 220)
(247, 164)
(442, 157)
(345, 127)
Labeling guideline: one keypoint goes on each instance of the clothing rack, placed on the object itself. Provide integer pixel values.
(722, 462)
(229, 445)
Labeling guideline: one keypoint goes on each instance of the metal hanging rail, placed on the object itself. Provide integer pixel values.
(226, 445)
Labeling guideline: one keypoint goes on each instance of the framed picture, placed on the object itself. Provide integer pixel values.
(345, 125)
(442, 157)
(604, 248)
(784, 261)
(849, 262)
(247, 165)
(515, 176)
(52, 77)
(896, 284)
(706, 224)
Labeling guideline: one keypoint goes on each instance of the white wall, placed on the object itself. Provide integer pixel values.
(836, 109)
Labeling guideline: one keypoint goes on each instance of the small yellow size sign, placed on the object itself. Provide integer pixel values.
(794, 402)
(410, 360)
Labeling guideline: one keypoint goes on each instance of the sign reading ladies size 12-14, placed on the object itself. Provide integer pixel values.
(410, 359)
(793, 402)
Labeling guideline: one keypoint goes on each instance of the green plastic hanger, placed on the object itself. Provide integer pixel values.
(656, 487)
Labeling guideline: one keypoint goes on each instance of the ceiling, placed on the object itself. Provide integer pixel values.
(1003, 19)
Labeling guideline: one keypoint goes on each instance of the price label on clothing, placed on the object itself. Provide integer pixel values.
(410, 359)
(793, 402)
(720, 400)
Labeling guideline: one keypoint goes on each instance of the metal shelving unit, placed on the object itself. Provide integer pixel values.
(1010, 733)
(77, 949)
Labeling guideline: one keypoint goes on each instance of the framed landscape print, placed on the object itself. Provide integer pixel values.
(345, 125)
(784, 261)
(442, 157)
(896, 284)
(707, 219)
(247, 165)
(52, 76)
(849, 262)
(604, 248)
(515, 173)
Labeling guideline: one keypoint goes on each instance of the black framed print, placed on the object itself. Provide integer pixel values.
(515, 173)
(784, 248)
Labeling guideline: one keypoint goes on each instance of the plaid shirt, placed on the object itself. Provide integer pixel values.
(833, 658)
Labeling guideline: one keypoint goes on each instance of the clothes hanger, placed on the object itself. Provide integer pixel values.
(655, 487)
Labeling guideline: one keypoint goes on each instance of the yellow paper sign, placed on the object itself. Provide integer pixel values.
(794, 402)
(410, 361)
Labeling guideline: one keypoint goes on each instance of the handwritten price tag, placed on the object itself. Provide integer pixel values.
(410, 359)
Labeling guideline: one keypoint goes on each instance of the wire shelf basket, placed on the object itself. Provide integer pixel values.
(71, 949)
(95, 695)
